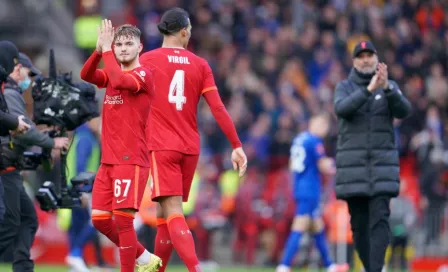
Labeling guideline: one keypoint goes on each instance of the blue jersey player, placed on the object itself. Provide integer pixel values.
(307, 162)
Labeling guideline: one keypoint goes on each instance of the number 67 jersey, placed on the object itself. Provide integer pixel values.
(180, 78)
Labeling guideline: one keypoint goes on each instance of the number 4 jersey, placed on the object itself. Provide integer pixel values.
(306, 150)
(180, 78)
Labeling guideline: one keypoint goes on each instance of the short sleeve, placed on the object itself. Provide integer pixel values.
(208, 83)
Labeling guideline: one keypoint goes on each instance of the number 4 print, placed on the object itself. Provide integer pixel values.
(176, 93)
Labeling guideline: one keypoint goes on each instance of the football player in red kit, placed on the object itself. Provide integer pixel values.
(180, 78)
(124, 171)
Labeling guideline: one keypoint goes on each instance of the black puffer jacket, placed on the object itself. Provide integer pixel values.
(366, 158)
(8, 51)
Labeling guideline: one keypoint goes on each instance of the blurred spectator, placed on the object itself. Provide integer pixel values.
(429, 148)
(437, 86)
(337, 219)
(84, 27)
(402, 221)
(147, 232)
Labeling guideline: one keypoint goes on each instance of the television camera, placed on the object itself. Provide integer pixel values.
(64, 105)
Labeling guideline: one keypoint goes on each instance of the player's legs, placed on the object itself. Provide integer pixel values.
(167, 171)
(129, 182)
(300, 225)
(102, 195)
(320, 239)
(179, 232)
(163, 246)
(188, 167)
(102, 207)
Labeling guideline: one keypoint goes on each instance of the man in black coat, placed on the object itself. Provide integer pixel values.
(366, 158)
(8, 122)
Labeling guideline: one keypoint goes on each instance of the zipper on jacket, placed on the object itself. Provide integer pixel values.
(369, 135)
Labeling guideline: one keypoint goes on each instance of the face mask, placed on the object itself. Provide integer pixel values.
(25, 84)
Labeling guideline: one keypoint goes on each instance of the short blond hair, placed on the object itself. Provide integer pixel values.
(127, 31)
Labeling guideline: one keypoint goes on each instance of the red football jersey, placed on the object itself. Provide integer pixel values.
(125, 111)
(180, 78)
(125, 114)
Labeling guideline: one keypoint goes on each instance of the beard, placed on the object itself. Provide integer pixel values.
(127, 59)
(367, 70)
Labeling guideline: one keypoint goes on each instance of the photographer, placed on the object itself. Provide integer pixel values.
(8, 122)
(20, 222)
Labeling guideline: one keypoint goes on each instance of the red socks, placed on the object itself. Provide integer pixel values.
(175, 231)
(104, 224)
(183, 241)
(128, 240)
(163, 245)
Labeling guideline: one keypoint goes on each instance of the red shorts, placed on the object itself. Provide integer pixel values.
(119, 187)
(172, 173)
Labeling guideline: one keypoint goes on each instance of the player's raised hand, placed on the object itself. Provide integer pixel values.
(99, 41)
(239, 160)
(105, 35)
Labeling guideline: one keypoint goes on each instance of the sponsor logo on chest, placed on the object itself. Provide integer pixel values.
(113, 99)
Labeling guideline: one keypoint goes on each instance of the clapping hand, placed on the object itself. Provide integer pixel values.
(382, 71)
(105, 36)
(379, 80)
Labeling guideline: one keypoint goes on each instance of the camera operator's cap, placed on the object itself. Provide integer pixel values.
(9, 56)
(26, 62)
(364, 46)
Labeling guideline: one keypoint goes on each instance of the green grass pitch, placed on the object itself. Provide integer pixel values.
(172, 268)
(42, 268)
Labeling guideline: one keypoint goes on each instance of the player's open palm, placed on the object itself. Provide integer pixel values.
(105, 35)
(239, 160)
(99, 43)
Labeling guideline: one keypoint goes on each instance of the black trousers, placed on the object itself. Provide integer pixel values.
(19, 226)
(371, 231)
(2, 204)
